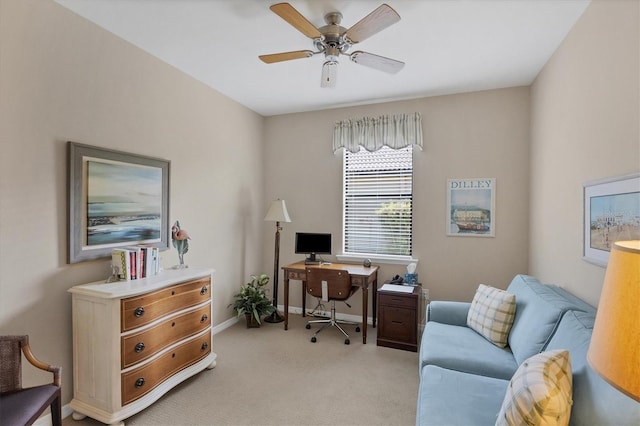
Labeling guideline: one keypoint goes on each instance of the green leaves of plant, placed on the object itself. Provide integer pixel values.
(252, 298)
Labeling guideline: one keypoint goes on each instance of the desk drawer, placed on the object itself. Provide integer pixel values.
(141, 381)
(359, 281)
(401, 301)
(140, 310)
(140, 346)
(293, 275)
(397, 324)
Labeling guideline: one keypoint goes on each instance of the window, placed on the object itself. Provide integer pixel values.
(378, 202)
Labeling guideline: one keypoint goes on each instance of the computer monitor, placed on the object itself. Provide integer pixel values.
(311, 244)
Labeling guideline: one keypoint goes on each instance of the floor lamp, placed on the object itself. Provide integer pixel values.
(277, 213)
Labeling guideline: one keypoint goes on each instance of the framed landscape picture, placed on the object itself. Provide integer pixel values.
(611, 213)
(116, 199)
(471, 206)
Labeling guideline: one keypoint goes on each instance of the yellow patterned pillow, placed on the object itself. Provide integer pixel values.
(540, 392)
(491, 314)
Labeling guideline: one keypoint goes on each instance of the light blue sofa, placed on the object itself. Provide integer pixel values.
(464, 377)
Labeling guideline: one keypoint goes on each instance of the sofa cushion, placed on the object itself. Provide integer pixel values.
(540, 392)
(595, 402)
(462, 349)
(539, 310)
(580, 304)
(491, 314)
(448, 397)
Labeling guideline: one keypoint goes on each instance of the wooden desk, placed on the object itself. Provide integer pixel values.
(360, 276)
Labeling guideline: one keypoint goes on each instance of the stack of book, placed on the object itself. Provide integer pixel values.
(135, 262)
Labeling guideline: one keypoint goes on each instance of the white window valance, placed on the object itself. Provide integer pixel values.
(395, 131)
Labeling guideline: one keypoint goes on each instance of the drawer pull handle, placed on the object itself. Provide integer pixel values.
(397, 322)
(204, 318)
(139, 312)
(203, 290)
(140, 382)
(205, 345)
(140, 347)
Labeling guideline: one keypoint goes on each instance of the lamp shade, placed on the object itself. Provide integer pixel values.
(614, 351)
(277, 212)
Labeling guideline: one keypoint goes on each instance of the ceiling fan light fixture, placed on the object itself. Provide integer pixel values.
(333, 40)
(329, 74)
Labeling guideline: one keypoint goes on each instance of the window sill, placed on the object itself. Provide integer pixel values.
(390, 260)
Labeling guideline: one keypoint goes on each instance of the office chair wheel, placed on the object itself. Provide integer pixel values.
(357, 329)
(308, 326)
(313, 339)
(347, 341)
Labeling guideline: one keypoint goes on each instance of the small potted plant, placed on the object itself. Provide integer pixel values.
(252, 301)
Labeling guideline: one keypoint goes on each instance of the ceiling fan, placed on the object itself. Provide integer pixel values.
(334, 40)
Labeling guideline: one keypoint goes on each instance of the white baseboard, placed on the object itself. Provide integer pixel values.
(224, 325)
(46, 420)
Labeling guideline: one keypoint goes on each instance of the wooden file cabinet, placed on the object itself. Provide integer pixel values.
(133, 341)
(398, 319)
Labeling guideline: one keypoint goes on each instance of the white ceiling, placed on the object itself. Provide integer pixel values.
(449, 46)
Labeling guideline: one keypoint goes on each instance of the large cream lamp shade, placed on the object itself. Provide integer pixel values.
(614, 351)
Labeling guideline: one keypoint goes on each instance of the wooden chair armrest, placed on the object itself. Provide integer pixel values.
(26, 349)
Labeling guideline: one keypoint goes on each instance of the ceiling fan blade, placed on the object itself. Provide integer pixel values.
(295, 19)
(378, 62)
(374, 22)
(285, 56)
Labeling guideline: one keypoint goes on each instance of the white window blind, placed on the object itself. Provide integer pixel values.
(378, 201)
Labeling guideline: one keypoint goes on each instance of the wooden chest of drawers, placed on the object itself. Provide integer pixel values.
(133, 341)
(398, 319)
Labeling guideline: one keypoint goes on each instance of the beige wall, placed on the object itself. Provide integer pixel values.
(473, 135)
(585, 126)
(63, 78)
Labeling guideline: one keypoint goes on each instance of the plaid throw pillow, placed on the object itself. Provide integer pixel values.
(491, 314)
(539, 393)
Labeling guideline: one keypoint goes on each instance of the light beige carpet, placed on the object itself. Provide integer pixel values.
(268, 376)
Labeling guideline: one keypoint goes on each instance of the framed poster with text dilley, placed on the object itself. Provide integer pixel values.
(471, 206)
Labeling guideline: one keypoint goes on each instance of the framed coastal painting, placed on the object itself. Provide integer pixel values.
(471, 207)
(611, 213)
(116, 199)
